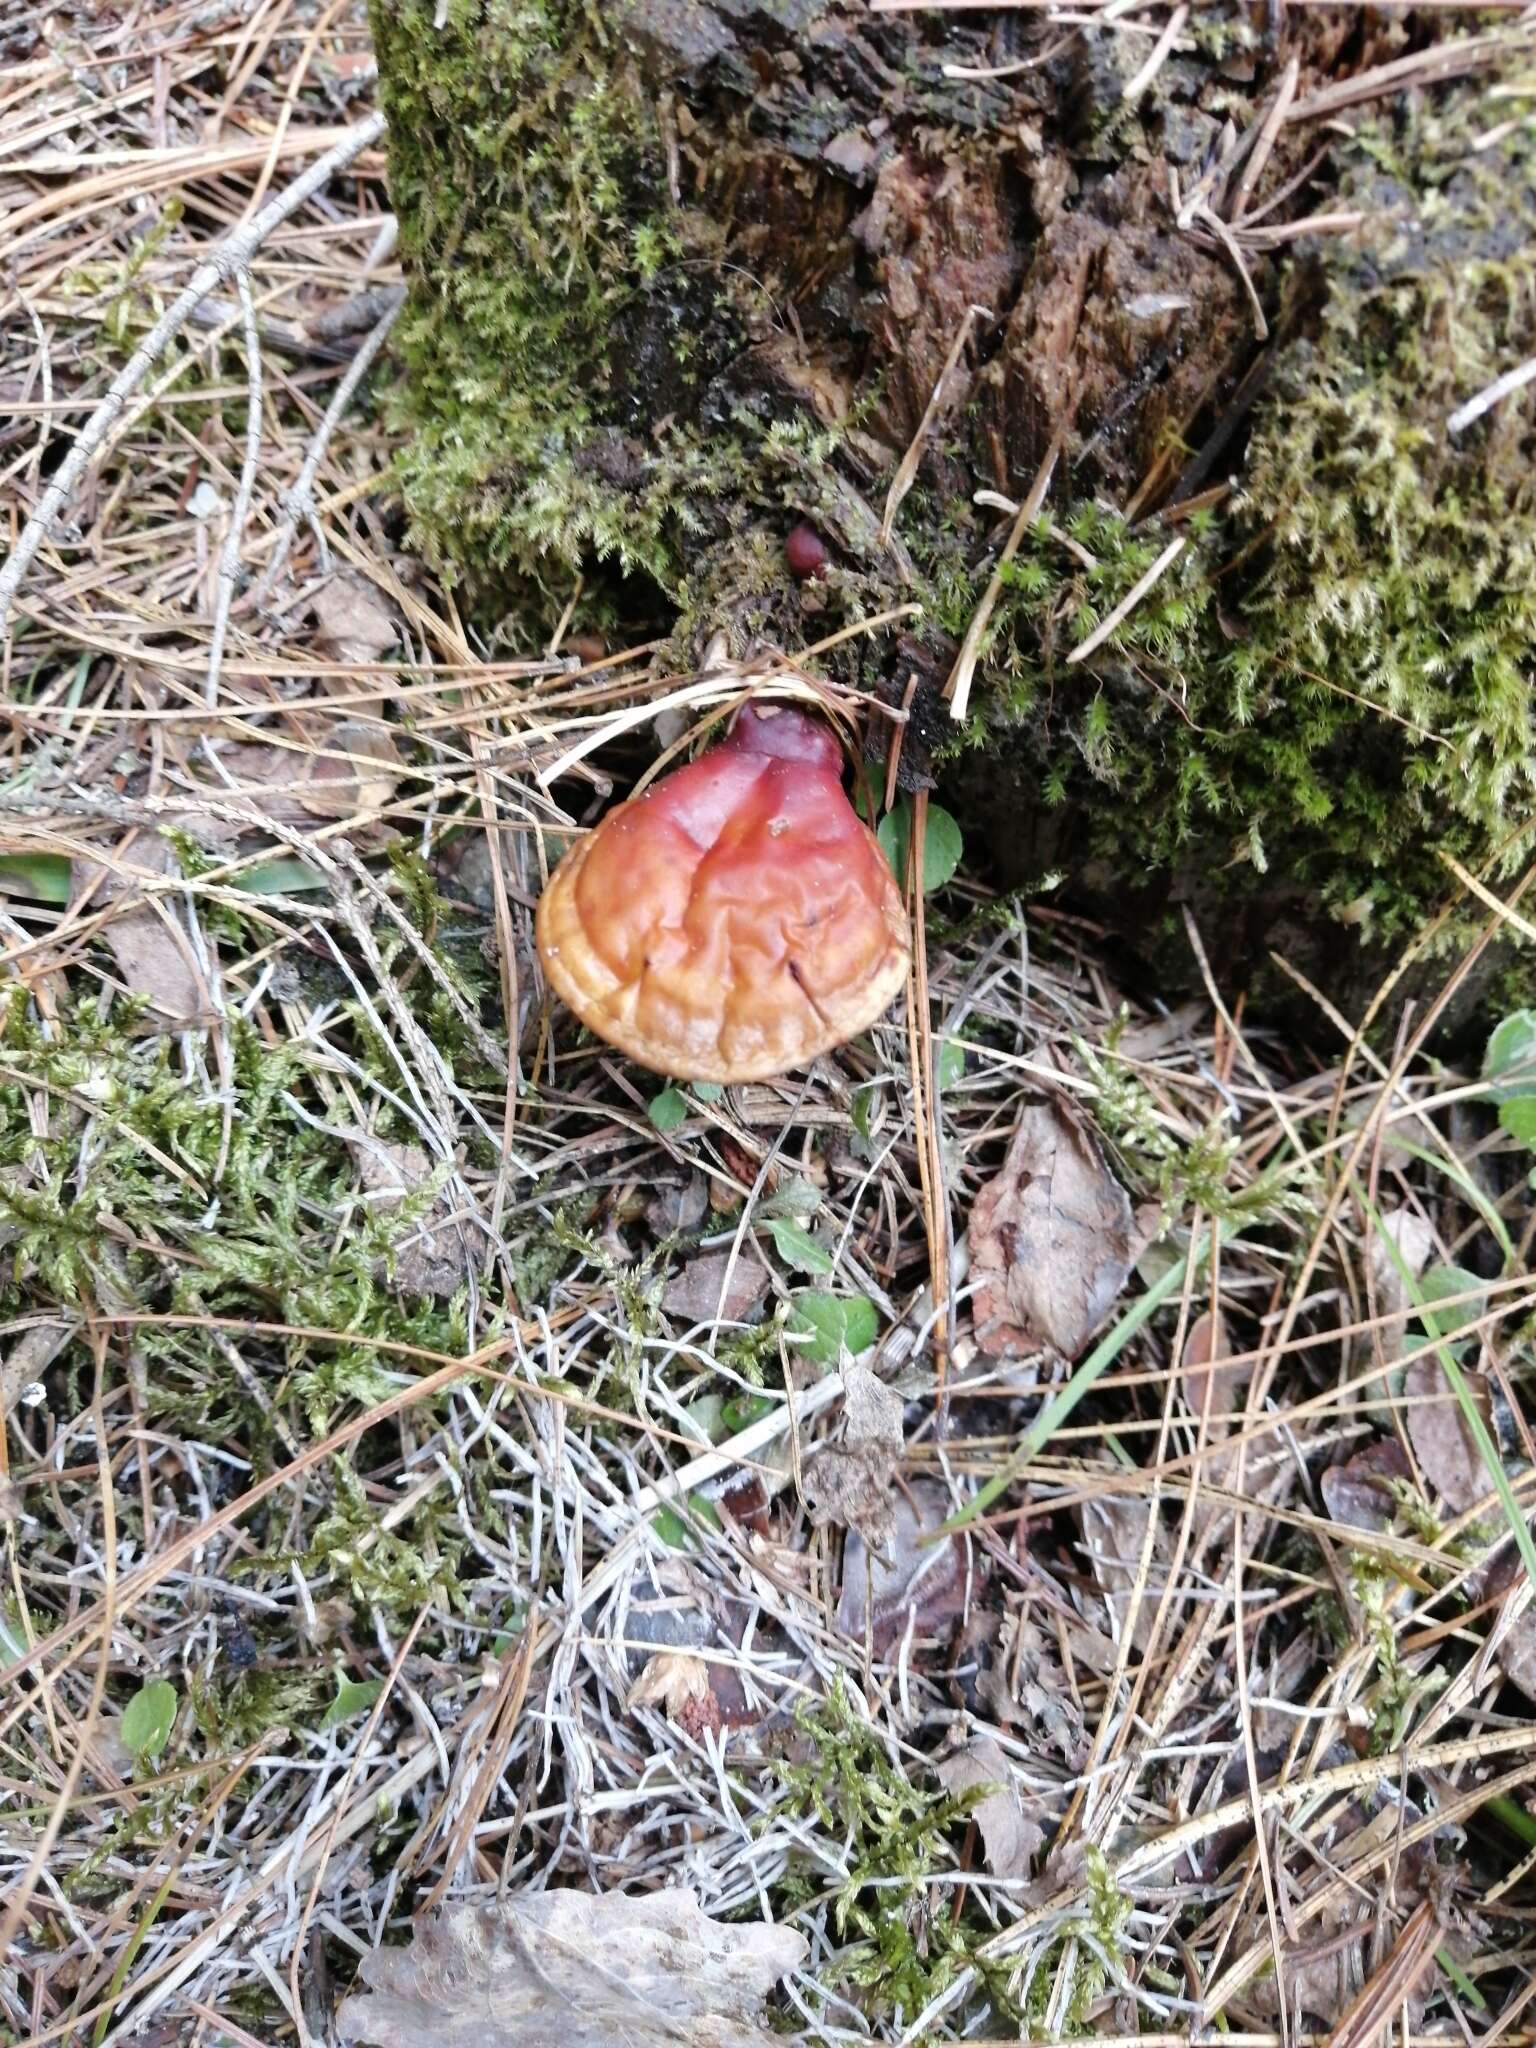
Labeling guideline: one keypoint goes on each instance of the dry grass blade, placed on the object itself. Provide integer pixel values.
(957, 689)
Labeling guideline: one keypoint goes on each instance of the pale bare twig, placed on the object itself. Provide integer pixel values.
(229, 261)
(239, 511)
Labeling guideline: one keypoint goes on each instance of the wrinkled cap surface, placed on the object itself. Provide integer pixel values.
(734, 920)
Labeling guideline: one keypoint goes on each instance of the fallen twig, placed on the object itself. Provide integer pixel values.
(1486, 399)
(957, 691)
(1129, 602)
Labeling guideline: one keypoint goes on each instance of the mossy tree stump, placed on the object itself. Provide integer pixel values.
(684, 275)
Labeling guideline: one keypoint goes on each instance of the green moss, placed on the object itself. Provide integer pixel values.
(154, 1187)
(1332, 682)
(520, 145)
(904, 1947)
(567, 405)
(564, 305)
(1328, 688)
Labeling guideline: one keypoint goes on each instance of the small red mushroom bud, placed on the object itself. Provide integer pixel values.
(735, 919)
(805, 551)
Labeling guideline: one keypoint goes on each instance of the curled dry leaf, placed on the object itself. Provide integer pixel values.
(1115, 1532)
(914, 1583)
(568, 1968)
(679, 1684)
(1361, 1492)
(674, 1619)
(1027, 1682)
(852, 1482)
(148, 941)
(1441, 1437)
(1413, 1237)
(437, 1254)
(354, 624)
(694, 1294)
(1009, 1838)
(1053, 1239)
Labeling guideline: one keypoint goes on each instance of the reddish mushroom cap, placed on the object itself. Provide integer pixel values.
(737, 918)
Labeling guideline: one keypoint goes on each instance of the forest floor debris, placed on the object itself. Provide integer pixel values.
(446, 1475)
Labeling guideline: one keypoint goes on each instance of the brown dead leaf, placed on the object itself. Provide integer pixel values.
(1027, 1682)
(354, 623)
(674, 1619)
(1009, 1838)
(570, 1969)
(914, 1582)
(1322, 1975)
(1517, 1655)
(1360, 1492)
(1214, 1388)
(1440, 1435)
(1213, 1384)
(1115, 1527)
(677, 1205)
(1053, 1239)
(436, 1254)
(336, 769)
(148, 941)
(693, 1295)
(28, 1359)
(678, 1683)
(852, 1482)
(352, 769)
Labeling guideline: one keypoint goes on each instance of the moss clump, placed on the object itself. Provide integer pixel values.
(159, 1187)
(570, 310)
(904, 1944)
(524, 158)
(1332, 684)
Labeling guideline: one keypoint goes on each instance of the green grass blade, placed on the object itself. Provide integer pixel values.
(1066, 1398)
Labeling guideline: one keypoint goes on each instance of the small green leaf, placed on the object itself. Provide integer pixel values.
(796, 1196)
(742, 1410)
(679, 1531)
(283, 876)
(668, 1109)
(942, 844)
(863, 1111)
(354, 1696)
(949, 1067)
(671, 1528)
(708, 1091)
(825, 1324)
(798, 1249)
(1518, 1116)
(1439, 1284)
(149, 1717)
(1510, 1058)
(41, 877)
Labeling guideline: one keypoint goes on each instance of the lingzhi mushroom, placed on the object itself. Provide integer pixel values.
(735, 919)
